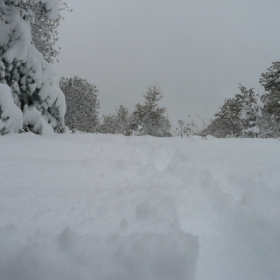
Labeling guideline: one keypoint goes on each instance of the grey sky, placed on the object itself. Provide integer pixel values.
(196, 51)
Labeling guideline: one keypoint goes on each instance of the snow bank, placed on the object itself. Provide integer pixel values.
(82, 206)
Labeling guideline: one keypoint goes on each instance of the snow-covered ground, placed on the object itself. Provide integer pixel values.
(112, 207)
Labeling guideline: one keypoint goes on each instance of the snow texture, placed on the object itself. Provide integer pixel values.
(86, 206)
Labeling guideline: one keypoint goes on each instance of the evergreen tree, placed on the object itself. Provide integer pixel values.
(149, 118)
(108, 124)
(229, 115)
(238, 115)
(82, 104)
(118, 123)
(251, 112)
(33, 84)
(271, 82)
(123, 120)
(45, 31)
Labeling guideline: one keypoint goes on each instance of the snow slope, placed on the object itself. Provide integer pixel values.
(92, 206)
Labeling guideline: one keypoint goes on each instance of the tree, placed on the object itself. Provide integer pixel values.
(229, 115)
(34, 85)
(45, 31)
(271, 82)
(118, 123)
(149, 118)
(237, 115)
(108, 124)
(82, 104)
(251, 112)
(123, 120)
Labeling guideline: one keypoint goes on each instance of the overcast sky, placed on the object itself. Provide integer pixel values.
(197, 51)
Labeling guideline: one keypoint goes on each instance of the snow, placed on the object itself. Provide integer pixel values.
(33, 118)
(93, 206)
(10, 115)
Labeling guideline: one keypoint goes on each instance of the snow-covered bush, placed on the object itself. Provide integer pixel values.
(82, 104)
(23, 67)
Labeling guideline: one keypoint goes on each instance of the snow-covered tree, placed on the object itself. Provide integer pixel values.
(82, 104)
(149, 118)
(118, 123)
(271, 98)
(23, 68)
(251, 112)
(123, 120)
(11, 118)
(238, 115)
(45, 31)
(108, 124)
(229, 115)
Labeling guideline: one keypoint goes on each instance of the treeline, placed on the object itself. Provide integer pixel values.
(249, 114)
(83, 114)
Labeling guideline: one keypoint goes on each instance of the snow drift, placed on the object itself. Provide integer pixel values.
(113, 207)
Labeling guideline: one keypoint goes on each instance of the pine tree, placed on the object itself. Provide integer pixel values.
(251, 112)
(45, 31)
(229, 115)
(149, 118)
(108, 124)
(271, 82)
(32, 81)
(123, 120)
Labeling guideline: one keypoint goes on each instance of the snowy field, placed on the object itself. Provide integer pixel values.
(86, 206)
